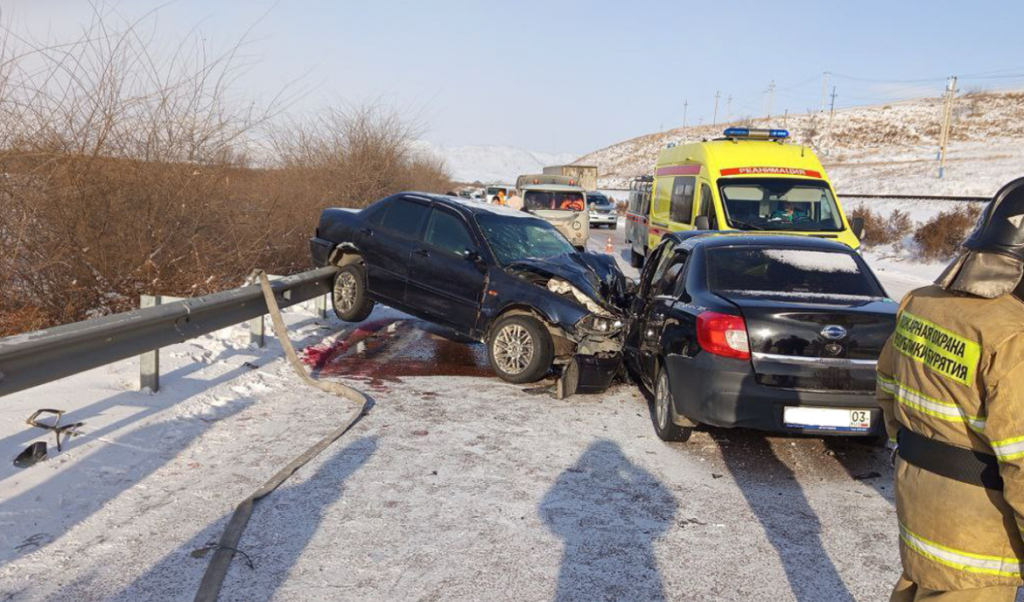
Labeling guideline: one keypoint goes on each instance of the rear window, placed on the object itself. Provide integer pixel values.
(790, 273)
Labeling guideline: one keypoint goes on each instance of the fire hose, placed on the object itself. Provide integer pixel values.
(217, 570)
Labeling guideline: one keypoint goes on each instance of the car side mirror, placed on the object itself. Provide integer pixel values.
(858, 227)
(473, 255)
(702, 223)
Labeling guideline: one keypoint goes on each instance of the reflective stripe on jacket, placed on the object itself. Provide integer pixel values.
(953, 371)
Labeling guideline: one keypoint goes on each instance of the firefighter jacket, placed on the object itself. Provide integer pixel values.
(953, 371)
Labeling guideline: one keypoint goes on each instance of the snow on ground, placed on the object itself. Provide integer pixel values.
(492, 164)
(452, 488)
(882, 149)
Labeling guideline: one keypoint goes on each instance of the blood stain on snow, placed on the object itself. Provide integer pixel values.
(388, 349)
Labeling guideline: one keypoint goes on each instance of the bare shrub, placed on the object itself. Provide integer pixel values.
(881, 230)
(942, 236)
(124, 173)
(898, 227)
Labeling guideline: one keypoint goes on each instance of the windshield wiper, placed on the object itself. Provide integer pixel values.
(751, 226)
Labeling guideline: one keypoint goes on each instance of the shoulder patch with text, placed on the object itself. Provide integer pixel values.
(940, 350)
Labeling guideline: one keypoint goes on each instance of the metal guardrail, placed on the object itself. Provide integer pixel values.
(917, 197)
(39, 357)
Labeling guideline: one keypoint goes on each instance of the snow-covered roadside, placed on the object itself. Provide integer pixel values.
(899, 272)
(456, 488)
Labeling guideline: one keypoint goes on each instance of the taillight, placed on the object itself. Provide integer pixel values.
(724, 335)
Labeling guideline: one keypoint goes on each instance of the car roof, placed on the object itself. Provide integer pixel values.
(469, 206)
(554, 188)
(713, 239)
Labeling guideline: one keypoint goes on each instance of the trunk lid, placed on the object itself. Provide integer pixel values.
(816, 342)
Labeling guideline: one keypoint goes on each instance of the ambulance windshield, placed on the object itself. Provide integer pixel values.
(780, 204)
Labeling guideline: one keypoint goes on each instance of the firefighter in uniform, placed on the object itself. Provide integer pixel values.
(951, 387)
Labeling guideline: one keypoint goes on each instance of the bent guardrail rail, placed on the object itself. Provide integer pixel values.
(35, 358)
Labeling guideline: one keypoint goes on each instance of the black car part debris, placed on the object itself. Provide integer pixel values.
(57, 429)
(31, 455)
(213, 579)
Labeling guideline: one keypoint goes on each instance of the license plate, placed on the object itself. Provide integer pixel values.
(827, 419)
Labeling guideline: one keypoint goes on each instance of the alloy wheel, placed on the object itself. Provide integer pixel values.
(513, 349)
(662, 399)
(345, 292)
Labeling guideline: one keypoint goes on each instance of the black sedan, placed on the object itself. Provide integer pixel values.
(779, 333)
(488, 273)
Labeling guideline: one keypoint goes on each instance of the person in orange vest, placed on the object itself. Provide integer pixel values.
(951, 388)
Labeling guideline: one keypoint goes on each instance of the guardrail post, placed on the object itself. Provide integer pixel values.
(256, 332)
(321, 306)
(149, 362)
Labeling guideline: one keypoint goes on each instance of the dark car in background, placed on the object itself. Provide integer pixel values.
(772, 332)
(602, 210)
(490, 273)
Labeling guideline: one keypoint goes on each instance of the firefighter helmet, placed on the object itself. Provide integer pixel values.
(1001, 227)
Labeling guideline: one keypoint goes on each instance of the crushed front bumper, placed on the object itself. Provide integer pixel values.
(724, 392)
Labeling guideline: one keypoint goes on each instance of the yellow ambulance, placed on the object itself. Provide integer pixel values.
(750, 180)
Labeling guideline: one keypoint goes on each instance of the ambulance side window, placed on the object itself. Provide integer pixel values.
(682, 199)
(707, 206)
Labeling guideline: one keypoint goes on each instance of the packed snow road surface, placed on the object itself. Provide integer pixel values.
(456, 486)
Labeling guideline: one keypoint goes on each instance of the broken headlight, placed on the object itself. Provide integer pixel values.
(600, 325)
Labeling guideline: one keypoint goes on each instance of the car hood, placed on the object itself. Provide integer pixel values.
(595, 274)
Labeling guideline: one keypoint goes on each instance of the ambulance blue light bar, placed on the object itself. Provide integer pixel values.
(760, 134)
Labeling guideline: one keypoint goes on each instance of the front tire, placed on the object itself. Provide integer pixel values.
(663, 425)
(351, 303)
(520, 349)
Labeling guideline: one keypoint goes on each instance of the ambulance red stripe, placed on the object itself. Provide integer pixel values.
(781, 171)
(679, 170)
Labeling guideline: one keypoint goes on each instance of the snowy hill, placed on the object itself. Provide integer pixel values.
(884, 149)
(487, 163)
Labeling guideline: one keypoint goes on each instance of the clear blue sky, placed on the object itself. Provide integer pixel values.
(576, 76)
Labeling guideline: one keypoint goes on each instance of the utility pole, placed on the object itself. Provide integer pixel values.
(785, 117)
(824, 90)
(714, 120)
(686, 105)
(947, 118)
(771, 98)
(728, 108)
(831, 114)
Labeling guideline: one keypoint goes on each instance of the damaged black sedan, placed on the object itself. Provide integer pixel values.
(486, 272)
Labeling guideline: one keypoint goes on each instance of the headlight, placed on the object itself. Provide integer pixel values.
(600, 325)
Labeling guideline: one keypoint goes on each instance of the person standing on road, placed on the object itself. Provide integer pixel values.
(951, 387)
(515, 201)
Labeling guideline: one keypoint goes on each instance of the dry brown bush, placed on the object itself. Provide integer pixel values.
(123, 174)
(942, 236)
(881, 230)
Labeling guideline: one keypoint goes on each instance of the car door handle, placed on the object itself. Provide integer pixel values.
(366, 231)
(422, 252)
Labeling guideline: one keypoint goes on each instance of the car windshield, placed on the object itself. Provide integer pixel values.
(515, 238)
(598, 200)
(493, 190)
(780, 204)
(775, 272)
(568, 200)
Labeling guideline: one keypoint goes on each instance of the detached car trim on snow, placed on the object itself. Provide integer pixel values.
(489, 273)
